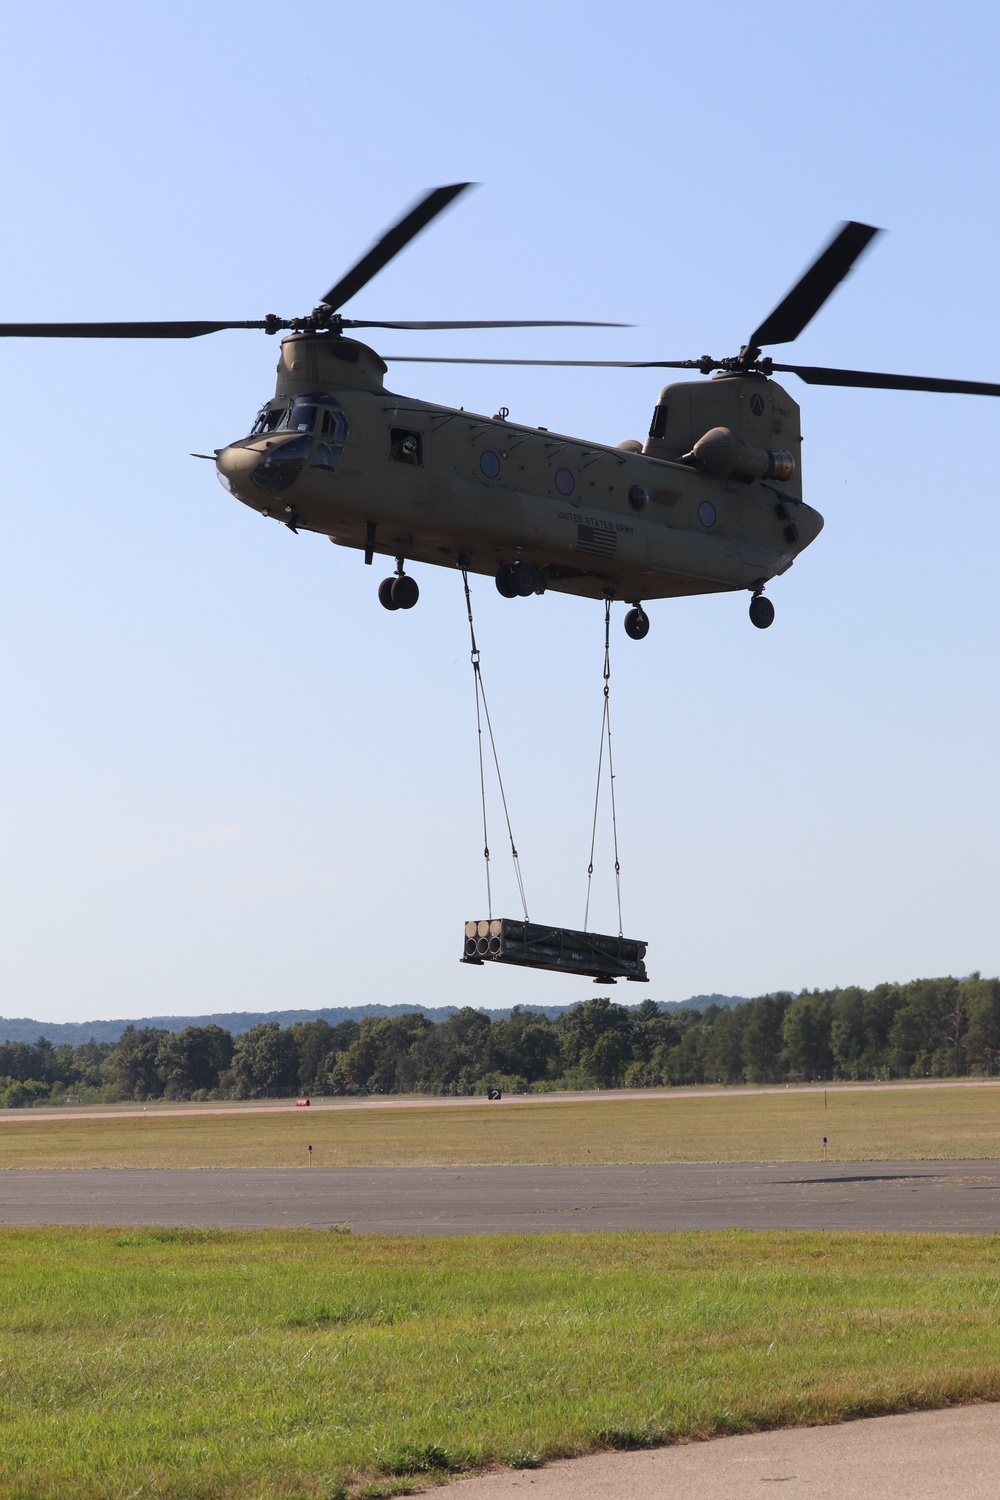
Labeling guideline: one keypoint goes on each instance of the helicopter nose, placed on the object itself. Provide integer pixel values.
(233, 466)
(251, 473)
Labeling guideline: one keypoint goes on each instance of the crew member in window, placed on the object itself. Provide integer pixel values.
(405, 447)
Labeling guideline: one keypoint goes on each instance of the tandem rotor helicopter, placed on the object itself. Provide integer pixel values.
(711, 502)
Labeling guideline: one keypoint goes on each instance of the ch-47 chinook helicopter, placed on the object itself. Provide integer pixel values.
(711, 502)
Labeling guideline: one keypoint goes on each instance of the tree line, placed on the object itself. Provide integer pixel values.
(927, 1028)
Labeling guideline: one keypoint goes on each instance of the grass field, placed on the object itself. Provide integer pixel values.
(223, 1365)
(934, 1124)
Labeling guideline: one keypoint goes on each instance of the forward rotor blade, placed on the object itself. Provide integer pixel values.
(530, 323)
(589, 364)
(116, 330)
(809, 293)
(877, 380)
(394, 240)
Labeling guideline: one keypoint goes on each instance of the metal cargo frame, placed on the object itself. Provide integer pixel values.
(530, 945)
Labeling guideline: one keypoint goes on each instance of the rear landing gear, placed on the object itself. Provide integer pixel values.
(637, 623)
(761, 612)
(400, 592)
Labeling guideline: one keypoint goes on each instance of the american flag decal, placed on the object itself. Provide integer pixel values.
(591, 539)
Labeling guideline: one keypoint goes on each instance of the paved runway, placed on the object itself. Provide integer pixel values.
(938, 1196)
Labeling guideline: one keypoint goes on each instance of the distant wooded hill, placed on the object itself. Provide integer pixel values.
(928, 1028)
(73, 1033)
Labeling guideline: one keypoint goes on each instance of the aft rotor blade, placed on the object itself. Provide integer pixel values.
(809, 293)
(589, 364)
(521, 323)
(116, 330)
(877, 380)
(394, 240)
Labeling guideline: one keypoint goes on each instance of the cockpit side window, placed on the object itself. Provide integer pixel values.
(334, 424)
(327, 455)
(333, 431)
(268, 420)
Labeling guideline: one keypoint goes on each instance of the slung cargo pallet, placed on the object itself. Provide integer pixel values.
(502, 940)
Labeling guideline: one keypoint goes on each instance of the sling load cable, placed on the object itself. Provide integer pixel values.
(605, 735)
(482, 713)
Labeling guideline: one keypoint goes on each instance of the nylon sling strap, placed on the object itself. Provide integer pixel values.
(605, 735)
(483, 712)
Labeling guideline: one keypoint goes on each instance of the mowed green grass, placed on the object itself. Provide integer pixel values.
(183, 1363)
(937, 1124)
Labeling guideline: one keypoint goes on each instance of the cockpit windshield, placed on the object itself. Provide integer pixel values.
(301, 415)
(316, 412)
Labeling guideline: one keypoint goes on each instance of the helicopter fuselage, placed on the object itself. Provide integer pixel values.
(334, 452)
(711, 502)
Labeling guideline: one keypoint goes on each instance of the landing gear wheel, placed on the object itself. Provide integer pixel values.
(518, 580)
(507, 581)
(404, 592)
(637, 623)
(525, 580)
(761, 612)
(385, 594)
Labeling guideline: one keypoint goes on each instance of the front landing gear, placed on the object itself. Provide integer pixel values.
(400, 592)
(637, 623)
(761, 612)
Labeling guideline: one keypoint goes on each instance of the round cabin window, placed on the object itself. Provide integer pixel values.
(490, 464)
(706, 513)
(565, 483)
(638, 498)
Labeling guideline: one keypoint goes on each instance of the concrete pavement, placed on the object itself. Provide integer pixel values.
(939, 1455)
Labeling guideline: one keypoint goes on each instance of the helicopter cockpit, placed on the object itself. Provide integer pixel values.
(302, 415)
(321, 429)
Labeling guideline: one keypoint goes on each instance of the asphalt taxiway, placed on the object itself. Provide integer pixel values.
(946, 1197)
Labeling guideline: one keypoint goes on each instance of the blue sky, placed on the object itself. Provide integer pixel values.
(230, 780)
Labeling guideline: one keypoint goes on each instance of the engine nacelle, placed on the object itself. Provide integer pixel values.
(757, 416)
(721, 452)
